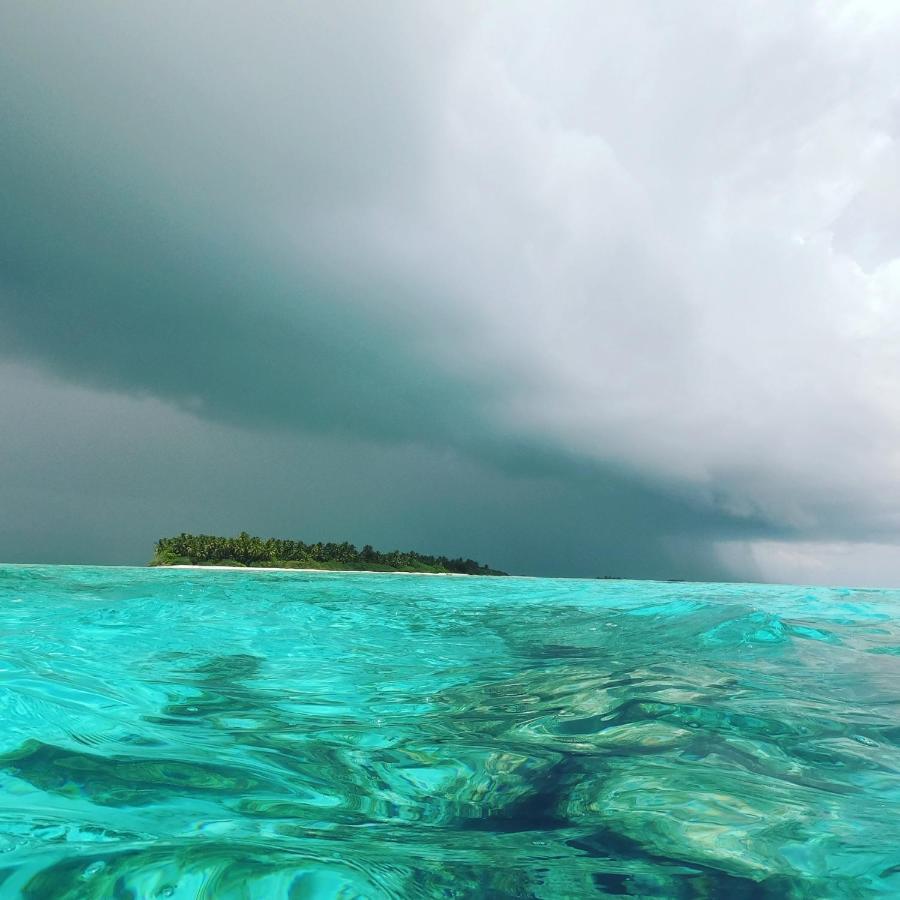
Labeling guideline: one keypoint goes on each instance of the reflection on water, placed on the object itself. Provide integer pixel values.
(236, 735)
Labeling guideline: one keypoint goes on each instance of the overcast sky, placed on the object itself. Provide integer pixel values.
(568, 287)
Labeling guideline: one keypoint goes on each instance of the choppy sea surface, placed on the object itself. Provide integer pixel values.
(184, 734)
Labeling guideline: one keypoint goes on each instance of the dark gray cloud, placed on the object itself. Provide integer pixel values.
(618, 285)
(137, 254)
(94, 477)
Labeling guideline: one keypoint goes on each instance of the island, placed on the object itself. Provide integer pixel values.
(245, 550)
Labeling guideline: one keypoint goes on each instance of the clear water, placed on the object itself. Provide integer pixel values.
(233, 735)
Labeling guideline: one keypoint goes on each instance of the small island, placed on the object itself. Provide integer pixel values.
(246, 550)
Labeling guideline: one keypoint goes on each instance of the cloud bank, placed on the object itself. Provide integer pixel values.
(638, 266)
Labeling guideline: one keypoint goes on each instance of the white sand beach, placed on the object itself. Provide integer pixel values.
(319, 571)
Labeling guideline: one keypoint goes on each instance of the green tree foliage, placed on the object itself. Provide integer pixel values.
(246, 550)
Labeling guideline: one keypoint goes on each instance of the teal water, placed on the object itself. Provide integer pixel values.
(182, 734)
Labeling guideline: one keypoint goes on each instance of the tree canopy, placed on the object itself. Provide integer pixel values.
(247, 550)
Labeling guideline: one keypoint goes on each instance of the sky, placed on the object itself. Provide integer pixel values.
(570, 288)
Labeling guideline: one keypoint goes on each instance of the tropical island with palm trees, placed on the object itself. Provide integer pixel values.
(245, 550)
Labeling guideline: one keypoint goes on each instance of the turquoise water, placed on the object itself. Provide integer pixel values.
(182, 734)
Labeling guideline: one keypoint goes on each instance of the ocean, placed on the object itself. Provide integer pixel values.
(221, 734)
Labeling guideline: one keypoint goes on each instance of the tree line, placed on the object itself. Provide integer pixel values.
(247, 550)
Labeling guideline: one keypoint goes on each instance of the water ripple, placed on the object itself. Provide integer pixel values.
(241, 735)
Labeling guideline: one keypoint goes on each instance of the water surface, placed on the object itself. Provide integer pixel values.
(184, 734)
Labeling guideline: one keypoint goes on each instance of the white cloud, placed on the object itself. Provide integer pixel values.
(636, 211)
(831, 563)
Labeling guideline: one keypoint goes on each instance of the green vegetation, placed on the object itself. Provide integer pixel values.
(246, 550)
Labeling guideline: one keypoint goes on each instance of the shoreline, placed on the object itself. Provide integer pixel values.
(323, 571)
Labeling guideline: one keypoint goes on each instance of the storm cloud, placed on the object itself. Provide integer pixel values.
(575, 289)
